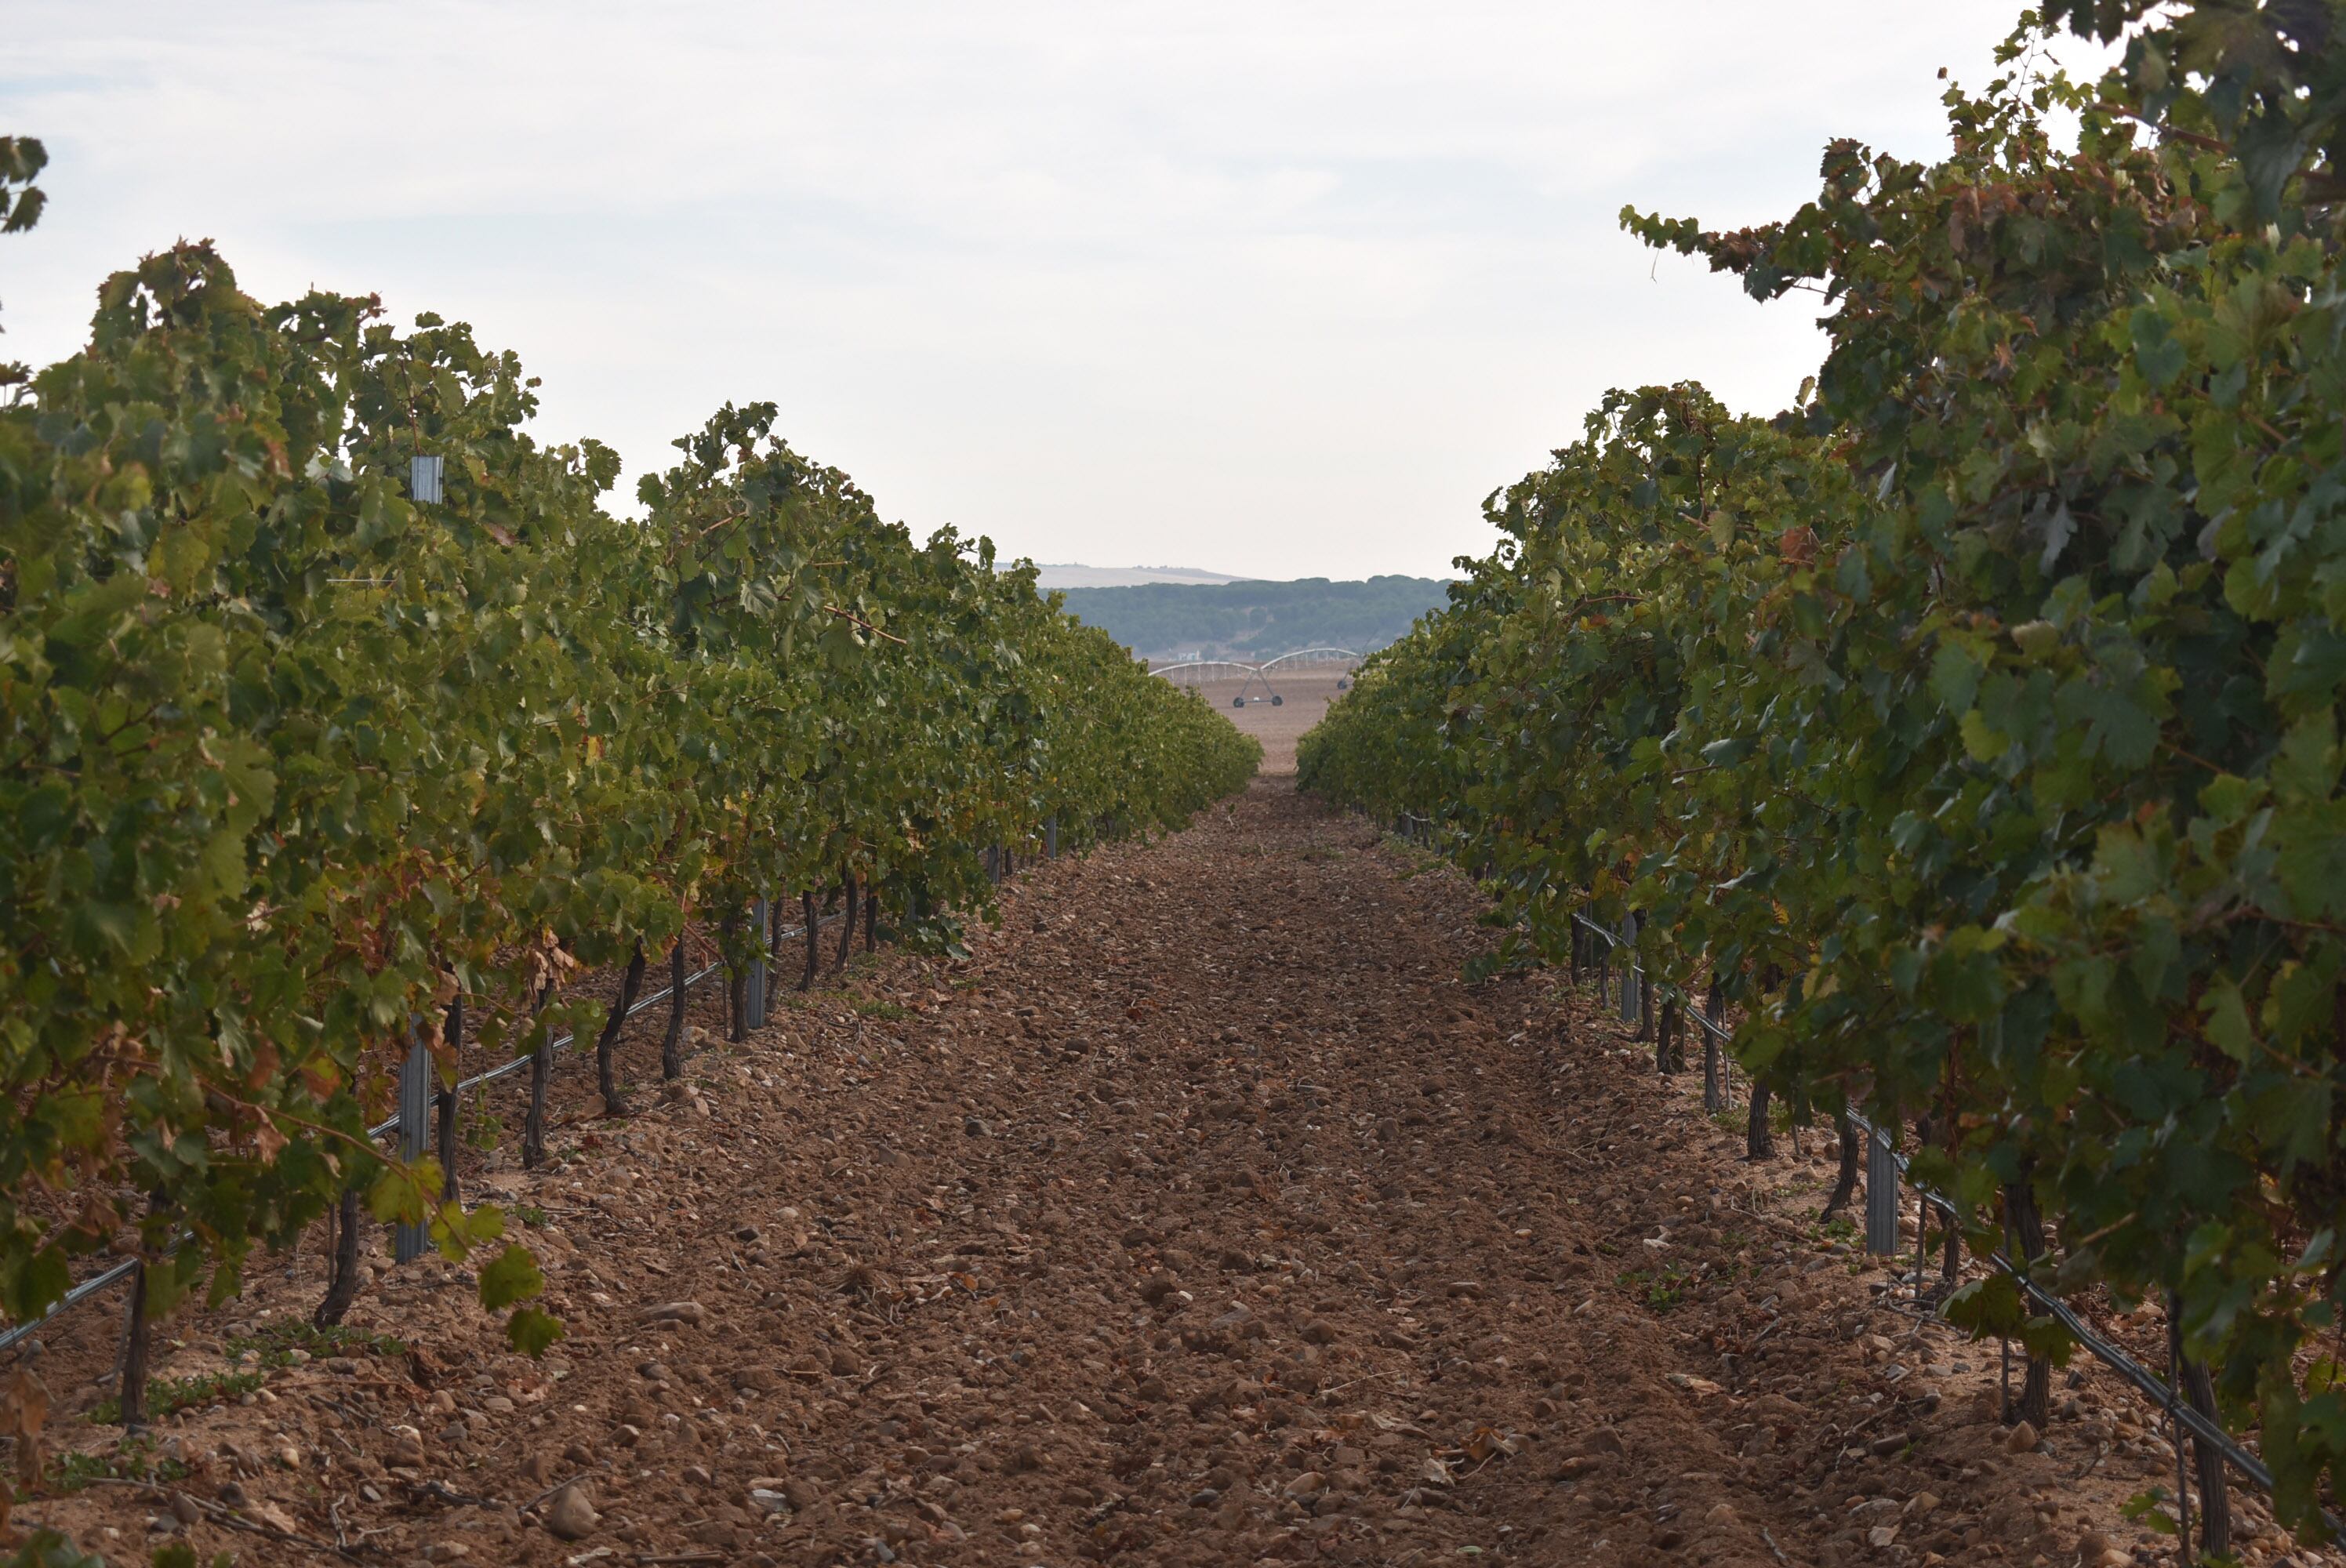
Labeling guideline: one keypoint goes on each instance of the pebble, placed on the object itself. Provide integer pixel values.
(570, 1515)
(2022, 1438)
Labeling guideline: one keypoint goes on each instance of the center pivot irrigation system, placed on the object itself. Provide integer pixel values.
(1210, 671)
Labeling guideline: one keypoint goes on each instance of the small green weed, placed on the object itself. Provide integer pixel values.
(73, 1470)
(2149, 1509)
(878, 1007)
(180, 1554)
(165, 1395)
(530, 1215)
(1659, 1289)
(275, 1339)
(47, 1549)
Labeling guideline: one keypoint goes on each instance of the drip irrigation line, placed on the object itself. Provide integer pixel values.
(73, 1298)
(507, 1069)
(655, 999)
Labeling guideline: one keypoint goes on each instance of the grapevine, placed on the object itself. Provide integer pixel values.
(298, 768)
(1975, 724)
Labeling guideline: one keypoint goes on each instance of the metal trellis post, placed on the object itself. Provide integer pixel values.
(1880, 1196)
(1631, 974)
(1714, 1091)
(414, 1124)
(753, 994)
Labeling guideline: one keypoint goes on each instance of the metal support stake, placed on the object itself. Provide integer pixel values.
(753, 994)
(414, 1127)
(1880, 1196)
(1714, 1089)
(1631, 974)
(1050, 838)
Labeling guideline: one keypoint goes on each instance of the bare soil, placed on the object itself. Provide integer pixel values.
(1203, 1216)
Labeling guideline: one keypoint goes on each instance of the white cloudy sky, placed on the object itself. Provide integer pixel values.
(1276, 288)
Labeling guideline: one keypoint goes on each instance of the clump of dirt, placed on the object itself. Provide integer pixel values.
(1203, 1216)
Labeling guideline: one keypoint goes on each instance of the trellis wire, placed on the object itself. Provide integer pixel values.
(1633, 973)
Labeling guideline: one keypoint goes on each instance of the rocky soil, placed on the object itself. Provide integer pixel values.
(1204, 1215)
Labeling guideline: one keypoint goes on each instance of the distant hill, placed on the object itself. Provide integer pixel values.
(1074, 577)
(1256, 620)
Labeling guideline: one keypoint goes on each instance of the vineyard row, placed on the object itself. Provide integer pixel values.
(1973, 726)
(1885, 1168)
(341, 721)
(418, 1087)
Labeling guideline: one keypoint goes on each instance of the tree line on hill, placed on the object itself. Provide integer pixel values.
(1256, 620)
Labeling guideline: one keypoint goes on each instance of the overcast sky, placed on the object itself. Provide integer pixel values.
(1281, 289)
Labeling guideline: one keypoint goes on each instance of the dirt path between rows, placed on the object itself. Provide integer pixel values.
(1203, 1216)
